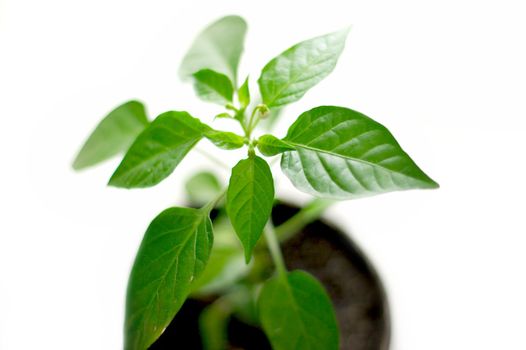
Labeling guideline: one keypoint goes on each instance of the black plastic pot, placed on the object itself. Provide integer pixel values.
(349, 278)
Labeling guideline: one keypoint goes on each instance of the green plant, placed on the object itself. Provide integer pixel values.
(329, 152)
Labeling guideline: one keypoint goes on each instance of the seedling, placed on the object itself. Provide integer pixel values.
(329, 152)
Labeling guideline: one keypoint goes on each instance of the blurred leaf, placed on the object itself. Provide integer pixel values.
(223, 115)
(226, 266)
(213, 323)
(243, 300)
(202, 188)
(268, 124)
(218, 48)
(343, 154)
(113, 135)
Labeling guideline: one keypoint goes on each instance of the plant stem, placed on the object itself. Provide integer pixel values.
(249, 126)
(305, 216)
(258, 113)
(231, 107)
(275, 250)
(212, 204)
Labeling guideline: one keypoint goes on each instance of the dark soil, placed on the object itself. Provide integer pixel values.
(348, 277)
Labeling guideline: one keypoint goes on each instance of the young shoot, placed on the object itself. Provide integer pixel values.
(330, 152)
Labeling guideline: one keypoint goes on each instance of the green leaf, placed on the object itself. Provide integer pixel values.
(244, 94)
(225, 139)
(269, 145)
(202, 188)
(243, 299)
(158, 150)
(223, 115)
(226, 266)
(218, 48)
(343, 154)
(296, 313)
(249, 200)
(173, 253)
(213, 87)
(113, 135)
(286, 78)
(213, 326)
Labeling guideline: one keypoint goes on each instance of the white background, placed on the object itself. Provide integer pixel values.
(447, 77)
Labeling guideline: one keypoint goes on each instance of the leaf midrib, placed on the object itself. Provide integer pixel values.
(148, 160)
(294, 80)
(300, 74)
(352, 159)
(294, 304)
(251, 189)
(162, 279)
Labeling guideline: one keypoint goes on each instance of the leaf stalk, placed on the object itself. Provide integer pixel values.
(302, 218)
(274, 249)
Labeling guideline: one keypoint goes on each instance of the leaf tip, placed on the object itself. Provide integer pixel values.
(77, 164)
(434, 184)
(248, 254)
(234, 17)
(114, 181)
(344, 32)
(347, 29)
(430, 183)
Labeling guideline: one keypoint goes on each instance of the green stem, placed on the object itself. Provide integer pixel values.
(249, 126)
(275, 250)
(240, 117)
(231, 107)
(257, 114)
(305, 216)
(213, 203)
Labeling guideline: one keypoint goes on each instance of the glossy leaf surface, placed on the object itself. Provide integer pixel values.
(173, 253)
(270, 145)
(244, 94)
(213, 87)
(297, 314)
(113, 135)
(343, 154)
(249, 200)
(286, 78)
(225, 139)
(218, 48)
(158, 150)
